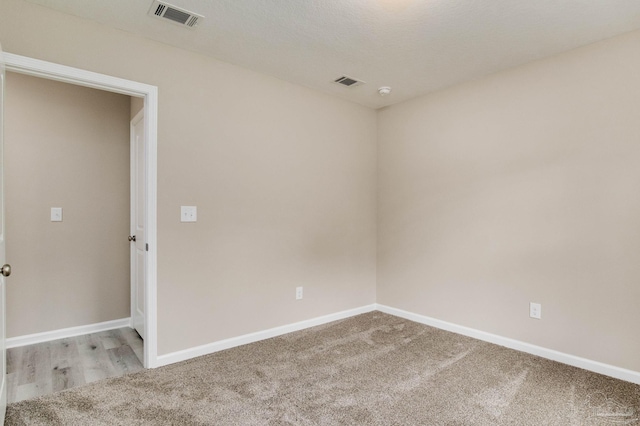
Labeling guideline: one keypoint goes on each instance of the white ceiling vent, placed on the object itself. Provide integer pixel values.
(175, 14)
(348, 81)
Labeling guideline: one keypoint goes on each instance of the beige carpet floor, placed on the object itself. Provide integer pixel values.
(373, 369)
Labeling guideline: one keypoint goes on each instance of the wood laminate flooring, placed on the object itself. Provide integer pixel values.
(50, 367)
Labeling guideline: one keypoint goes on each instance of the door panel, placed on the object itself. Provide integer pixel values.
(138, 203)
(3, 351)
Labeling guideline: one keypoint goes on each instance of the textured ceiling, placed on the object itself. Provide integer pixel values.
(414, 46)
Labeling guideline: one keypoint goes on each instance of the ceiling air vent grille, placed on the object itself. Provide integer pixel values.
(348, 81)
(175, 14)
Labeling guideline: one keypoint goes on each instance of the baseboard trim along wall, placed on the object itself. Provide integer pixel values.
(586, 364)
(47, 336)
(232, 342)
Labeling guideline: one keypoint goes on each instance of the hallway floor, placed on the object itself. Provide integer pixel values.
(49, 367)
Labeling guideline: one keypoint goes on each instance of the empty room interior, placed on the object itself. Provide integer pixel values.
(362, 212)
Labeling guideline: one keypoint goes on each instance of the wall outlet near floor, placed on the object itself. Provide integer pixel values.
(535, 310)
(298, 293)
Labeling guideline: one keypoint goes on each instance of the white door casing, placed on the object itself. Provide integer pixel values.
(3, 349)
(51, 71)
(138, 228)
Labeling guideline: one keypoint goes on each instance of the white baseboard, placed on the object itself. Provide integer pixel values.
(586, 364)
(30, 339)
(257, 336)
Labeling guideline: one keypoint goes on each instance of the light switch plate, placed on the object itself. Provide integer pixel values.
(188, 213)
(56, 214)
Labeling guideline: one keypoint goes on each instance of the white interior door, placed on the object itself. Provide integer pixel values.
(6, 269)
(138, 228)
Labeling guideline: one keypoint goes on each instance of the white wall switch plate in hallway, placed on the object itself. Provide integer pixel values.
(56, 214)
(188, 213)
(298, 293)
(535, 310)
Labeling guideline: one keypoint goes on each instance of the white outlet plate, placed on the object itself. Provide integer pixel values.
(188, 213)
(298, 293)
(56, 214)
(535, 310)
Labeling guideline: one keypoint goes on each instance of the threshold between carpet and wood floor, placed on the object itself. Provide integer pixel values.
(372, 369)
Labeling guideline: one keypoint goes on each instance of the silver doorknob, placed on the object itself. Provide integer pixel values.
(6, 270)
(132, 238)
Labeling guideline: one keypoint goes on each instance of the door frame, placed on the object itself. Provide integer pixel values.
(79, 77)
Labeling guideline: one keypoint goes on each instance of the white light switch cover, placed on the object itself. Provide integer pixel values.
(188, 213)
(56, 214)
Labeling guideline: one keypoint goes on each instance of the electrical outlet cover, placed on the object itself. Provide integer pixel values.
(535, 310)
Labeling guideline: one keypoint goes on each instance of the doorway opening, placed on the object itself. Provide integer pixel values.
(146, 275)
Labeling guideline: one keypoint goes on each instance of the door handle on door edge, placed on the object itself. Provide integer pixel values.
(6, 270)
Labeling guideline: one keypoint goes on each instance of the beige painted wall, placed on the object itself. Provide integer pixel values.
(523, 186)
(283, 177)
(65, 146)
